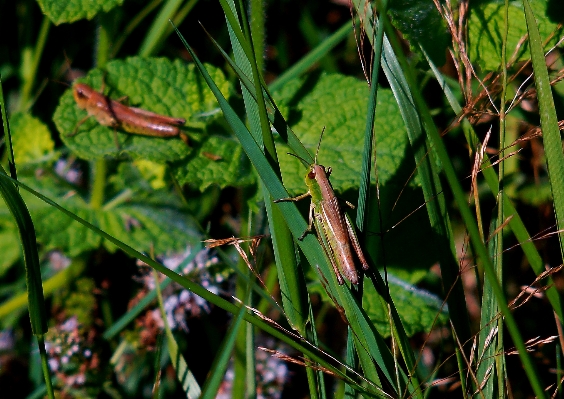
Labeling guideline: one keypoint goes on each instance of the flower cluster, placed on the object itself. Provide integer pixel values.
(70, 353)
(179, 303)
(271, 371)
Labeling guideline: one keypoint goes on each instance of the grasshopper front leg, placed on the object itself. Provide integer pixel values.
(310, 225)
(311, 210)
(294, 199)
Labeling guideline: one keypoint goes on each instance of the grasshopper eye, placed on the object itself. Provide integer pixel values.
(80, 93)
(311, 174)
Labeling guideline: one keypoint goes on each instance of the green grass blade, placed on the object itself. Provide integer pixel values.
(183, 373)
(470, 223)
(274, 114)
(549, 121)
(157, 31)
(312, 57)
(7, 134)
(435, 204)
(516, 223)
(235, 28)
(133, 23)
(496, 242)
(434, 200)
(31, 64)
(365, 174)
(221, 361)
(488, 338)
(18, 209)
(34, 283)
(292, 283)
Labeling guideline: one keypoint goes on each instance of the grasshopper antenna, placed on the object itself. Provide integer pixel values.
(318, 145)
(300, 158)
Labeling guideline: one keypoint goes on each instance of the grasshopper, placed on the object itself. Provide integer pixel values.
(335, 230)
(114, 114)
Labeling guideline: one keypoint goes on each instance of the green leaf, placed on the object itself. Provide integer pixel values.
(31, 139)
(338, 104)
(420, 22)
(218, 160)
(155, 84)
(419, 310)
(485, 30)
(142, 220)
(72, 10)
(535, 194)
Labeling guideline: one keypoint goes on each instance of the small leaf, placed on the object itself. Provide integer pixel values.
(420, 21)
(418, 309)
(31, 139)
(485, 32)
(72, 10)
(153, 172)
(154, 84)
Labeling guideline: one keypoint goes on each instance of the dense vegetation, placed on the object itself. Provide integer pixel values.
(154, 266)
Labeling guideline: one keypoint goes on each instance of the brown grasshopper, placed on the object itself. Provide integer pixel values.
(335, 230)
(133, 120)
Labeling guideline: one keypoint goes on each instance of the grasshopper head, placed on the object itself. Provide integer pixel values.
(318, 171)
(81, 94)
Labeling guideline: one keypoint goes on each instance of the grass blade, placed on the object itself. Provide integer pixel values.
(549, 121)
(312, 57)
(471, 225)
(516, 223)
(183, 373)
(34, 282)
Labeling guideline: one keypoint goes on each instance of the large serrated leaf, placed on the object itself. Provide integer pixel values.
(155, 84)
(420, 21)
(138, 225)
(72, 10)
(31, 139)
(486, 26)
(149, 220)
(338, 104)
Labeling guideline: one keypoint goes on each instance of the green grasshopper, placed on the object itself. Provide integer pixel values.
(335, 230)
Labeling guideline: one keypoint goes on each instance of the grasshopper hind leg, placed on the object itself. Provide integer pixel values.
(355, 244)
(323, 240)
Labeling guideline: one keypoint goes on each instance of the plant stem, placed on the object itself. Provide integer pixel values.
(30, 65)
